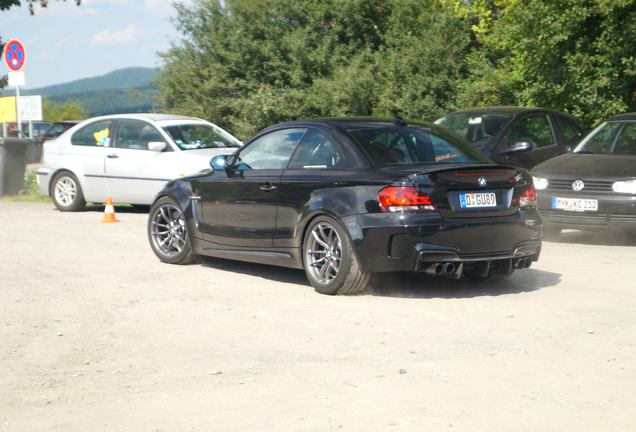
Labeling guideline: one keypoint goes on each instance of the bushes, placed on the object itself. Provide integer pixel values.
(246, 65)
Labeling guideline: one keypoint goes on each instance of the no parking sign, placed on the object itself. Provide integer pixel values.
(14, 55)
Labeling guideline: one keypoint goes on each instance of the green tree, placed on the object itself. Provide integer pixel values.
(248, 64)
(60, 111)
(573, 55)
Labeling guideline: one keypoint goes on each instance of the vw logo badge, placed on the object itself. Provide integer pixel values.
(578, 185)
(482, 181)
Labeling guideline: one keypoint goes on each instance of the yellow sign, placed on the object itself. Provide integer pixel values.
(101, 137)
(7, 109)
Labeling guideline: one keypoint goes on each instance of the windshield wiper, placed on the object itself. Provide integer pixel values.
(585, 152)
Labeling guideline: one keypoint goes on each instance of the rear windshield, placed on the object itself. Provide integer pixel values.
(414, 145)
(474, 127)
(199, 136)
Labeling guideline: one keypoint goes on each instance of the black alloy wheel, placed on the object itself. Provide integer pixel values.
(168, 232)
(330, 261)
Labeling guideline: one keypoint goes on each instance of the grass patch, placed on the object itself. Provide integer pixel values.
(30, 193)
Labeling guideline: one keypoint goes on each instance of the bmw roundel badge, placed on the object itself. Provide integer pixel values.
(482, 181)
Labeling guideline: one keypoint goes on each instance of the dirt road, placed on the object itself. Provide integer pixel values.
(97, 335)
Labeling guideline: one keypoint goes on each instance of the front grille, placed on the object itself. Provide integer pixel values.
(590, 185)
(594, 219)
(623, 218)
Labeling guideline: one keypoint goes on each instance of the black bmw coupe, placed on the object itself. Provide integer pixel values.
(345, 198)
(593, 187)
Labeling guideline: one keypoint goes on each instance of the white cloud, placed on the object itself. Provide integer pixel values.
(114, 37)
(67, 43)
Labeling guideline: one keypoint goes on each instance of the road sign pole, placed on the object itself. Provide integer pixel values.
(17, 110)
(15, 56)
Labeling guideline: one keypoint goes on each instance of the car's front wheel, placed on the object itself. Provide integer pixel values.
(330, 261)
(168, 232)
(67, 193)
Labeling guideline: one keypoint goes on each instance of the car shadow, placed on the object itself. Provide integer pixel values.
(420, 285)
(404, 285)
(598, 238)
(270, 272)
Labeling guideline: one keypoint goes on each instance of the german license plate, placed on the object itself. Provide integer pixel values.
(477, 199)
(574, 204)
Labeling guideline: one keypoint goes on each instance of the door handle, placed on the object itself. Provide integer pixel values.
(268, 187)
(112, 156)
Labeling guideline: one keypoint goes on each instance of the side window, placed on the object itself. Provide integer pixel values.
(55, 130)
(389, 146)
(444, 151)
(94, 135)
(570, 132)
(271, 151)
(136, 134)
(535, 129)
(316, 150)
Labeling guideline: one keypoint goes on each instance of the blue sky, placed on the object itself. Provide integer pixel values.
(65, 42)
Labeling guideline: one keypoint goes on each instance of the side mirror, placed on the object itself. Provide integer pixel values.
(518, 147)
(218, 162)
(156, 146)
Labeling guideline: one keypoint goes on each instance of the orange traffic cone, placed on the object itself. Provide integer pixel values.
(109, 212)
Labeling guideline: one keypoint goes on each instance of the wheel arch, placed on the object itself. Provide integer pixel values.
(178, 190)
(313, 215)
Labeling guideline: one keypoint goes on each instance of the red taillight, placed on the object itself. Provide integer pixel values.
(400, 199)
(527, 198)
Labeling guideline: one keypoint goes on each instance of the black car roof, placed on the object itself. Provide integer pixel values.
(513, 110)
(349, 123)
(626, 116)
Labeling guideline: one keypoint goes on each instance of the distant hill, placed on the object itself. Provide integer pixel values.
(113, 101)
(117, 79)
(120, 91)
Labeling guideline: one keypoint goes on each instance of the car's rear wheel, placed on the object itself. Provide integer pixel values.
(67, 193)
(168, 232)
(330, 261)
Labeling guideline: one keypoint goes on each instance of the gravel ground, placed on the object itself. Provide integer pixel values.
(97, 335)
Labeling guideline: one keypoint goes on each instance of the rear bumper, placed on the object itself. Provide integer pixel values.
(386, 243)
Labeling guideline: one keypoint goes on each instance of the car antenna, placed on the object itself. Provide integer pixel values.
(399, 121)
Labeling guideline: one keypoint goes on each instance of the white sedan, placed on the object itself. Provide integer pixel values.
(127, 157)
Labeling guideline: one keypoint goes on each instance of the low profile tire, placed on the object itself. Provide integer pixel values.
(330, 262)
(67, 193)
(168, 232)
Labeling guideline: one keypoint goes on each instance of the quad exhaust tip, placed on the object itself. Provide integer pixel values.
(455, 270)
(445, 269)
(523, 263)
